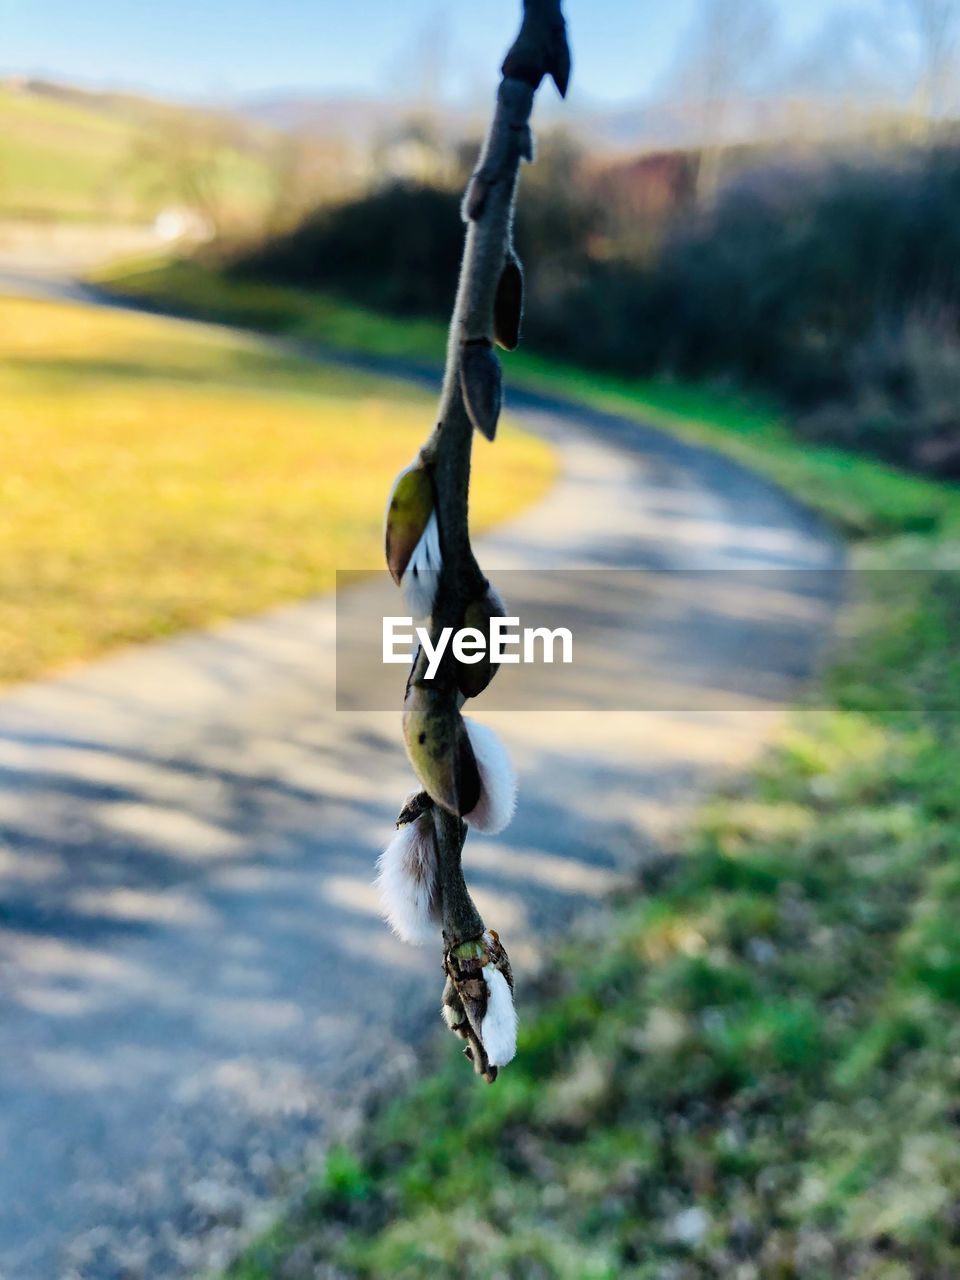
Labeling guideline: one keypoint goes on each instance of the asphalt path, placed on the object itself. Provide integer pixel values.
(195, 987)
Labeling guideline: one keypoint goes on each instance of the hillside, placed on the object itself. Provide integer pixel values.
(67, 153)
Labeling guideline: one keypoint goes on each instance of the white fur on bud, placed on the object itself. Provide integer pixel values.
(420, 578)
(407, 880)
(451, 1016)
(498, 1031)
(498, 781)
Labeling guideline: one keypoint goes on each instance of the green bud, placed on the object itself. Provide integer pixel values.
(439, 749)
(410, 508)
(473, 677)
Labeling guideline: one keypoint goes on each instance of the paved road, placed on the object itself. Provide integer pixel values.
(195, 985)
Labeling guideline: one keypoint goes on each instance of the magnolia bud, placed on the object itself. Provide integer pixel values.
(498, 782)
(508, 304)
(439, 749)
(476, 197)
(481, 384)
(478, 1002)
(540, 49)
(498, 1030)
(413, 539)
(408, 513)
(473, 677)
(560, 61)
(408, 882)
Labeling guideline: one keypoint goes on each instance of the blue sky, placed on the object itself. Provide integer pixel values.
(623, 49)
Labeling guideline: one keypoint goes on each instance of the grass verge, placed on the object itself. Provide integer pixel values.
(157, 477)
(861, 496)
(753, 1070)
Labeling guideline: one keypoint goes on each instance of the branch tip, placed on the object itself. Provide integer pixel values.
(541, 48)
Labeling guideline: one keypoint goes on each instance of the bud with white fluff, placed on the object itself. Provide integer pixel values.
(478, 1002)
(408, 882)
(419, 579)
(498, 781)
(412, 538)
(498, 1030)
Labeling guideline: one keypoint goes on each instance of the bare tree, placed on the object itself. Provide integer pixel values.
(935, 28)
(728, 42)
(463, 768)
(301, 171)
(420, 70)
(185, 156)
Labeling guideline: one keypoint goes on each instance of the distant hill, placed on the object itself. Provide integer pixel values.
(635, 127)
(71, 153)
(350, 117)
(356, 120)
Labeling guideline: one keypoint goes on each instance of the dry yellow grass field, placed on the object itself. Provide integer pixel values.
(158, 476)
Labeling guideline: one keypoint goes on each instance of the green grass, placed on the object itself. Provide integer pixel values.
(753, 1070)
(158, 476)
(762, 1048)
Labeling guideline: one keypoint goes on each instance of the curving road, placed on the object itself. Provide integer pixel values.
(195, 986)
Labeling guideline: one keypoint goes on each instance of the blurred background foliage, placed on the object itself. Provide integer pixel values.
(776, 218)
(831, 283)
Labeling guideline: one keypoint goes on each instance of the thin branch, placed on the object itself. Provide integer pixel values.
(540, 49)
(442, 749)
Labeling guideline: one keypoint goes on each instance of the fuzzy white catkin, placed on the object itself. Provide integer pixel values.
(407, 881)
(498, 781)
(498, 1031)
(420, 578)
(450, 1015)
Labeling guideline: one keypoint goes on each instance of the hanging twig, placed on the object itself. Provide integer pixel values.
(465, 773)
